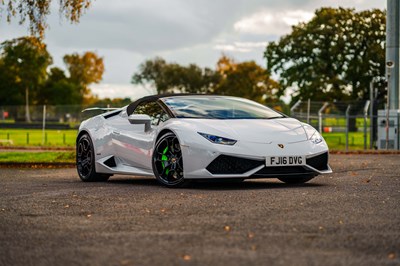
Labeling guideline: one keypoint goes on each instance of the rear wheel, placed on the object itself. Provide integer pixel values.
(296, 180)
(167, 161)
(85, 163)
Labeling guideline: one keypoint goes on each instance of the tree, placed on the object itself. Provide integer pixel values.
(332, 57)
(9, 92)
(84, 70)
(152, 71)
(58, 90)
(35, 12)
(246, 79)
(172, 77)
(24, 64)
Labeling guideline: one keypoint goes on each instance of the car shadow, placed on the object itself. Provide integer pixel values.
(250, 184)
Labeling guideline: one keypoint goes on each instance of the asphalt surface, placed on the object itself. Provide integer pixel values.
(351, 217)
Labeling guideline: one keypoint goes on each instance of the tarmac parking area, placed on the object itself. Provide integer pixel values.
(350, 217)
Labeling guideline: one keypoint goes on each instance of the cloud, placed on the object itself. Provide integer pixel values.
(144, 27)
(122, 90)
(231, 48)
(271, 23)
(240, 47)
(126, 33)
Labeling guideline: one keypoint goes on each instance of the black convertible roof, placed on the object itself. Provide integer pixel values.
(131, 107)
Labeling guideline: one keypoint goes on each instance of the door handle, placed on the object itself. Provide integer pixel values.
(116, 133)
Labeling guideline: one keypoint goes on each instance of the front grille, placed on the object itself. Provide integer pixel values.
(282, 170)
(319, 162)
(225, 165)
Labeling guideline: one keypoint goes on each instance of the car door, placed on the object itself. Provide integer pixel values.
(133, 145)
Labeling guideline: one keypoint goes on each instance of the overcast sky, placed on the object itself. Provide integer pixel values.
(125, 33)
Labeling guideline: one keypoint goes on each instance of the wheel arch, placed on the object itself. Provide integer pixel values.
(163, 132)
(80, 134)
(159, 176)
(83, 132)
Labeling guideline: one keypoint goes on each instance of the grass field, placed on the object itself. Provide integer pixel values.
(38, 157)
(35, 137)
(66, 138)
(337, 140)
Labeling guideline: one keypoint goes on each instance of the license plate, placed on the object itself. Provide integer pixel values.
(285, 160)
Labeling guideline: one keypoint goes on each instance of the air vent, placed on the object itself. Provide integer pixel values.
(319, 162)
(225, 165)
(110, 162)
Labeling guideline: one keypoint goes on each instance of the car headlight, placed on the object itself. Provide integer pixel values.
(218, 139)
(312, 134)
(316, 138)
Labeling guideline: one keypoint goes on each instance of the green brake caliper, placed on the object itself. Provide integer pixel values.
(164, 158)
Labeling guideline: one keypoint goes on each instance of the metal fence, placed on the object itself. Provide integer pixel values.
(344, 125)
(49, 113)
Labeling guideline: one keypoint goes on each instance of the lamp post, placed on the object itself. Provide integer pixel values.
(389, 66)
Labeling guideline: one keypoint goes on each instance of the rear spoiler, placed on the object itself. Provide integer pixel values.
(100, 109)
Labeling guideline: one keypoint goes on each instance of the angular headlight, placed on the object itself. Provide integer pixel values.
(316, 138)
(217, 139)
(312, 134)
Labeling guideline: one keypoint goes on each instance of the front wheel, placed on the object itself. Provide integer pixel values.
(296, 180)
(167, 161)
(85, 163)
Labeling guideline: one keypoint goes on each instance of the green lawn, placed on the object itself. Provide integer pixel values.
(337, 140)
(341, 122)
(35, 137)
(66, 138)
(38, 157)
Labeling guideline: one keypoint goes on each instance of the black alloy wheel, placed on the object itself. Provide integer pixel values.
(167, 161)
(85, 162)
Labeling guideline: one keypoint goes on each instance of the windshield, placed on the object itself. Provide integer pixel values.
(218, 107)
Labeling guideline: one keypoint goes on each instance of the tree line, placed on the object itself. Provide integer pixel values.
(243, 79)
(28, 77)
(334, 56)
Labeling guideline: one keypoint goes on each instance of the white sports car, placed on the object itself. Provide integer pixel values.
(182, 137)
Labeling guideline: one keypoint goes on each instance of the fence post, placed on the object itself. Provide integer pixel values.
(27, 137)
(347, 127)
(308, 110)
(294, 107)
(44, 124)
(320, 116)
(371, 115)
(366, 106)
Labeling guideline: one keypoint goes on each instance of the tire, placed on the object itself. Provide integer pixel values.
(167, 161)
(296, 180)
(85, 163)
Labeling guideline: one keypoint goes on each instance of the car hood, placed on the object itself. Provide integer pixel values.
(285, 130)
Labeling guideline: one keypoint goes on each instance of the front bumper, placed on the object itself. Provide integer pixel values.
(247, 160)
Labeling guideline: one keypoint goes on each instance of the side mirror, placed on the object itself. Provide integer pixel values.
(140, 119)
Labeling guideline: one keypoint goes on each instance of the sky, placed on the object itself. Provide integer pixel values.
(126, 33)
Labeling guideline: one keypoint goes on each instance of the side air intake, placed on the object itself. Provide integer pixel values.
(110, 162)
